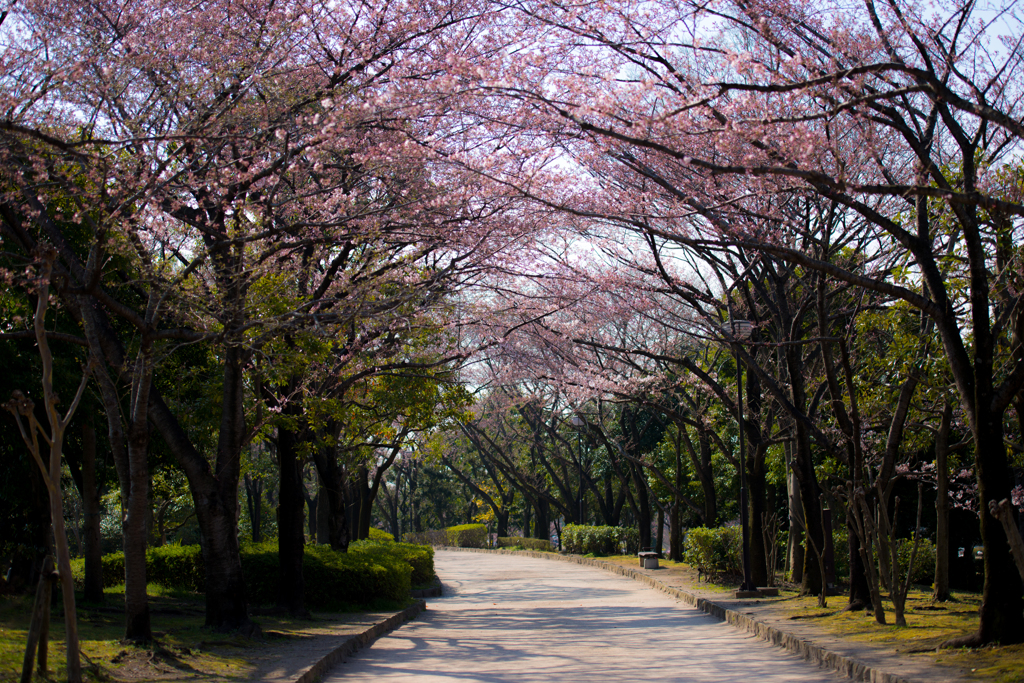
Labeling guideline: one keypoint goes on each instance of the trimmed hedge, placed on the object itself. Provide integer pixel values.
(380, 535)
(578, 539)
(435, 537)
(378, 570)
(713, 552)
(525, 543)
(467, 536)
(332, 579)
(419, 557)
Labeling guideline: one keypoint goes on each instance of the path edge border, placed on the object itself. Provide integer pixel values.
(358, 641)
(812, 652)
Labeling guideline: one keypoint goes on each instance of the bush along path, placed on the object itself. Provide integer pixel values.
(860, 652)
(358, 595)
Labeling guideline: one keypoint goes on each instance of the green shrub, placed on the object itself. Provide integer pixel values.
(332, 579)
(419, 557)
(713, 552)
(579, 539)
(173, 566)
(436, 538)
(525, 543)
(113, 570)
(377, 570)
(467, 536)
(176, 566)
(840, 550)
(630, 540)
(924, 562)
(380, 535)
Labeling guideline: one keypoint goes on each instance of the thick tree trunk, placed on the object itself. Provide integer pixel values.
(1002, 609)
(643, 505)
(136, 602)
(91, 527)
(860, 590)
(707, 481)
(675, 537)
(810, 502)
(215, 495)
(757, 508)
(542, 522)
(216, 499)
(940, 592)
(502, 522)
(290, 520)
(331, 475)
(795, 556)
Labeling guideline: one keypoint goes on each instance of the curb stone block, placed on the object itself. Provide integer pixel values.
(358, 641)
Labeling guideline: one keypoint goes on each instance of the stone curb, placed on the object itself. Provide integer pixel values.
(359, 640)
(824, 657)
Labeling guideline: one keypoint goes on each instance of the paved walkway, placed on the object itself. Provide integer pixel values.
(523, 619)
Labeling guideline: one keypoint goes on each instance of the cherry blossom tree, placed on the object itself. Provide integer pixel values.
(904, 115)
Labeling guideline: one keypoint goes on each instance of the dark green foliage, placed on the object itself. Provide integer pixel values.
(333, 579)
(525, 543)
(434, 537)
(713, 552)
(419, 557)
(924, 561)
(599, 540)
(467, 536)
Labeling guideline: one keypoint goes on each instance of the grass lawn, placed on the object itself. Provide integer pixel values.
(184, 648)
(929, 624)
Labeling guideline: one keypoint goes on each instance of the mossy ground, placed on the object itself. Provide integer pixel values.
(929, 624)
(183, 649)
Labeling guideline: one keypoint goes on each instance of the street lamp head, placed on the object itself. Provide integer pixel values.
(577, 421)
(739, 329)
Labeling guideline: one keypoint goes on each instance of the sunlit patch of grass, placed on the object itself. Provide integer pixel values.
(184, 649)
(929, 624)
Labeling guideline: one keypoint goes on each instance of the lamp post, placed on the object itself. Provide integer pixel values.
(740, 330)
(578, 423)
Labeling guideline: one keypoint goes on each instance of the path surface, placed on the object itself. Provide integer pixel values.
(520, 619)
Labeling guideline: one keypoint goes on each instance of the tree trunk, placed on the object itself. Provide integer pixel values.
(291, 504)
(860, 591)
(643, 504)
(91, 527)
(323, 514)
(136, 601)
(542, 522)
(940, 591)
(757, 507)
(795, 556)
(810, 503)
(1002, 609)
(502, 522)
(331, 475)
(707, 481)
(254, 501)
(658, 545)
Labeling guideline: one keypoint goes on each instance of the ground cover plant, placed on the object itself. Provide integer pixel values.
(371, 571)
(183, 648)
(524, 543)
